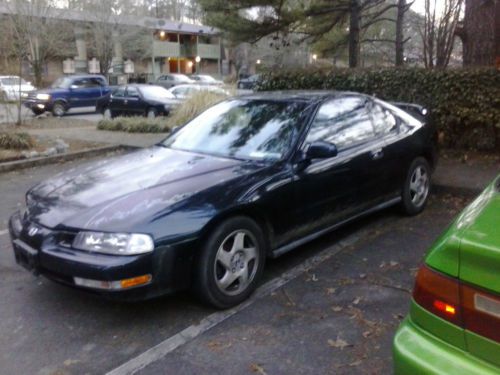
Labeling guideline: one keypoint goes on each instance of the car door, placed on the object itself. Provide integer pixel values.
(395, 150)
(133, 104)
(84, 92)
(116, 101)
(94, 91)
(332, 190)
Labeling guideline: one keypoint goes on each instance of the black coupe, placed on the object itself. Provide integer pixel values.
(137, 100)
(250, 178)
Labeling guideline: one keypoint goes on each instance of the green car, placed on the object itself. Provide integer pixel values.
(454, 321)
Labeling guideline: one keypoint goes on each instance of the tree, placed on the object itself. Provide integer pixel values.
(439, 30)
(316, 20)
(36, 35)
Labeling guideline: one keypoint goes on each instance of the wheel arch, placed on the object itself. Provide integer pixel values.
(254, 213)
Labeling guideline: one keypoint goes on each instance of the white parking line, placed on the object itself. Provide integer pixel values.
(190, 333)
(3, 232)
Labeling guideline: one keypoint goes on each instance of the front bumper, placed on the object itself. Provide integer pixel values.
(48, 253)
(38, 105)
(416, 351)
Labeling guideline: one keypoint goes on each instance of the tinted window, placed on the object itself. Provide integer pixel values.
(248, 129)
(345, 122)
(132, 92)
(119, 92)
(383, 120)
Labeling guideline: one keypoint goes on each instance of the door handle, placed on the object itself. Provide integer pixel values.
(377, 154)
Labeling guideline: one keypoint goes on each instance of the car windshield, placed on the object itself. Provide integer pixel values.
(156, 93)
(62, 83)
(11, 81)
(243, 129)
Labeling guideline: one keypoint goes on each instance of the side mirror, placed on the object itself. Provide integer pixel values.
(321, 150)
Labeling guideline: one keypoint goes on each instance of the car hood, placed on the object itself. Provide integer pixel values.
(114, 194)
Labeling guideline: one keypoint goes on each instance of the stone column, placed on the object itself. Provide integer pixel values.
(117, 61)
(81, 63)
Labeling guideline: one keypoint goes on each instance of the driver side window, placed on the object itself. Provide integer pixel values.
(345, 122)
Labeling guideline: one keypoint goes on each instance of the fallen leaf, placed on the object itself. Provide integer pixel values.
(366, 334)
(356, 300)
(257, 368)
(337, 308)
(355, 363)
(338, 343)
(314, 278)
(393, 263)
(331, 290)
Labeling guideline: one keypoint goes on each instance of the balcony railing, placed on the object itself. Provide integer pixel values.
(209, 51)
(172, 49)
(166, 49)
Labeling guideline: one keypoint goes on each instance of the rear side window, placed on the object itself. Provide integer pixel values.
(384, 121)
(119, 92)
(345, 122)
(132, 92)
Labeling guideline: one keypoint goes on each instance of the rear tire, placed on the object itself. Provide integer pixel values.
(58, 109)
(231, 263)
(108, 114)
(416, 188)
(151, 113)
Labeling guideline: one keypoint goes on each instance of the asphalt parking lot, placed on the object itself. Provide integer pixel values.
(330, 307)
(8, 113)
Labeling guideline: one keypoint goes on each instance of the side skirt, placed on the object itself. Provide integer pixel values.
(292, 245)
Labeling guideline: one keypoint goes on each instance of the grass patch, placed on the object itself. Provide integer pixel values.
(16, 141)
(188, 110)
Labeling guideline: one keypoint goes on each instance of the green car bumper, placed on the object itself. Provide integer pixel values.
(417, 352)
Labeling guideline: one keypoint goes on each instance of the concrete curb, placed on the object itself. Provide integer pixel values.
(29, 163)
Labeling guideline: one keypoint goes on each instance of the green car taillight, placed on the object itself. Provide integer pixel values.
(463, 305)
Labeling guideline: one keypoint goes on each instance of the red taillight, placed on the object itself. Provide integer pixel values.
(439, 294)
(471, 308)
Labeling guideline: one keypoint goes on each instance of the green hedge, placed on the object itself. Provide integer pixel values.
(134, 125)
(464, 104)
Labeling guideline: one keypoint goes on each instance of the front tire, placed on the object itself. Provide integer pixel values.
(59, 109)
(231, 263)
(416, 188)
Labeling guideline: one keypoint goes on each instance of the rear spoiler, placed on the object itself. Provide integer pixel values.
(412, 109)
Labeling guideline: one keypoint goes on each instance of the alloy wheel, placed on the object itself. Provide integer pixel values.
(419, 186)
(236, 262)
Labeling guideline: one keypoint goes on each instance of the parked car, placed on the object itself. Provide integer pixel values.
(173, 79)
(185, 91)
(137, 100)
(248, 83)
(68, 92)
(205, 79)
(10, 89)
(454, 321)
(251, 177)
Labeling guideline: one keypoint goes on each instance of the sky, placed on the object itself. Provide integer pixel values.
(419, 6)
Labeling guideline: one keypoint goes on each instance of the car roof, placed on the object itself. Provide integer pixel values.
(301, 95)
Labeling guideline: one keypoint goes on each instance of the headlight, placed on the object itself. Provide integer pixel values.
(114, 243)
(43, 96)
